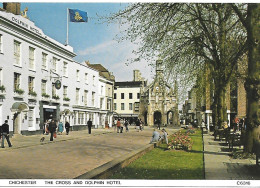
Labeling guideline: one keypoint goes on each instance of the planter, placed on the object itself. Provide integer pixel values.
(2, 92)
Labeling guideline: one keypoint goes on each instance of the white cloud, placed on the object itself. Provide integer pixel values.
(97, 49)
(114, 56)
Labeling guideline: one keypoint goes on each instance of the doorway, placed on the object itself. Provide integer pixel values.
(19, 110)
(170, 118)
(49, 113)
(157, 117)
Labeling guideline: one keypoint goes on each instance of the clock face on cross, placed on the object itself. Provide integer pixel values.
(157, 88)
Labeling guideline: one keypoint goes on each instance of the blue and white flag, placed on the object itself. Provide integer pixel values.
(78, 15)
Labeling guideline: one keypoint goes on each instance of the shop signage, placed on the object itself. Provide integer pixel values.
(25, 25)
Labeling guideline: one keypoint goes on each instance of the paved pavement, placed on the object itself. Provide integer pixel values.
(68, 156)
(220, 166)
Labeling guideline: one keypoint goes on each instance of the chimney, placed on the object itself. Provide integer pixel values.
(87, 62)
(14, 8)
(136, 75)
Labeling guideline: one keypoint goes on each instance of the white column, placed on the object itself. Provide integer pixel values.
(228, 113)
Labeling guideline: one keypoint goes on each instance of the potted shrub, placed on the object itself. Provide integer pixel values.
(32, 93)
(66, 99)
(2, 88)
(45, 95)
(55, 97)
(19, 91)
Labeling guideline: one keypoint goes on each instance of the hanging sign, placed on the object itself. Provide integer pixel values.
(58, 84)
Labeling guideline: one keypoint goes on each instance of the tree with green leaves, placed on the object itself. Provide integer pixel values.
(249, 15)
(187, 37)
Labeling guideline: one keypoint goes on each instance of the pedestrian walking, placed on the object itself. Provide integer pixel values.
(126, 126)
(115, 122)
(118, 125)
(159, 124)
(67, 127)
(5, 134)
(45, 127)
(236, 124)
(141, 125)
(137, 123)
(122, 125)
(89, 124)
(52, 129)
(60, 128)
(241, 123)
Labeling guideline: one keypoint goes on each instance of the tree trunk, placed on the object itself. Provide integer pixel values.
(220, 107)
(252, 82)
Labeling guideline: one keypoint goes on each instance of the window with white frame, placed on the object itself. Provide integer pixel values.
(86, 78)
(54, 64)
(86, 97)
(115, 106)
(65, 69)
(102, 88)
(77, 75)
(101, 103)
(130, 106)
(122, 106)
(130, 95)
(77, 96)
(65, 91)
(109, 92)
(17, 81)
(86, 119)
(80, 118)
(93, 98)
(93, 80)
(75, 117)
(30, 84)
(31, 58)
(109, 104)
(44, 60)
(1, 77)
(137, 104)
(54, 90)
(1, 43)
(43, 86)
(30, 117)
(17, 52)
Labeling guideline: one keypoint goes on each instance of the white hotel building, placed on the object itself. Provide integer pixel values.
(32, 67)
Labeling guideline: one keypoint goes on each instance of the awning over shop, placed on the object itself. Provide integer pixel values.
(126, 115)
(19, 107)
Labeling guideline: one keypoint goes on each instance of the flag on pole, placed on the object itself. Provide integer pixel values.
(78, 15)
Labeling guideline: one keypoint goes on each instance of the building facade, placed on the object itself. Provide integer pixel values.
(159, 101)
(127, 97)
(199, 103)
(39, 80)
(106, 92)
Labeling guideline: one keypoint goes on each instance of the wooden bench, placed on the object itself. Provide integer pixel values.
(218, 132)
(235, 139)
(222, 134)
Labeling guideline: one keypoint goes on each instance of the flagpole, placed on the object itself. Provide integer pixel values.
(67, 41)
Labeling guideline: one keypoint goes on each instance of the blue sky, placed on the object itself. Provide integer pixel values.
(91, 41)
